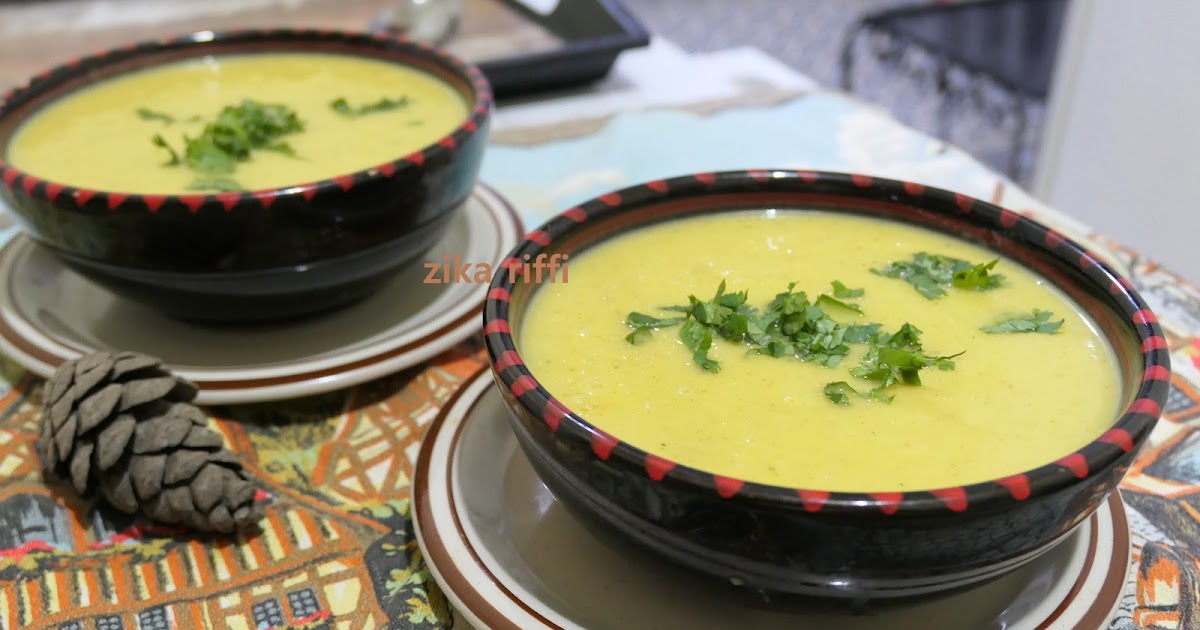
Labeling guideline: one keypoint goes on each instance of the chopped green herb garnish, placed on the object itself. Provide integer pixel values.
(792, 326)
(231, 138)
(699, 338)
(928, 273)
(344, 108)
(864, 333)
(724, 315)
(643, 324)
(146, 113)
(908, 337)
(897, 358)
(1036, 322)
(826, 300)
(841, 391)
(721, 313)
(977, 277)
(159, 141)
(877, 393)
(149, 114)
(840, 291)
(206, 155)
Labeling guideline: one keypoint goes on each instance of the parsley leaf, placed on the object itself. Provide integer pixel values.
(977, 277)
(698, 338)
(643, 325)
(385, 104)
(159, 141)
(826, 300)
(928, 273)
(877, 393)
(149, 114)
(841, 391)
(863, 333)
(1036, 322)
(840, 291)
(146, 113)
(907, 337)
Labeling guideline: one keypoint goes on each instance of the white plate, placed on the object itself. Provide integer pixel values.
(509, 556)
(50, 314)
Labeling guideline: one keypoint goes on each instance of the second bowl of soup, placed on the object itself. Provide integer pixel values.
(823, 384)
(245, 176)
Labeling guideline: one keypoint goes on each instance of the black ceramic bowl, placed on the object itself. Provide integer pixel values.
(807, 541)
(260, 255)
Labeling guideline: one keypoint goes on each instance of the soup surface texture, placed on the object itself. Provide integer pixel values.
(1013, 401)
(97, 138)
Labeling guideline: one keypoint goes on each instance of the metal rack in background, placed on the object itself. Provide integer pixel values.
(987, 66)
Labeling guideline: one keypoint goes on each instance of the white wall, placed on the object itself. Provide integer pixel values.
(1122, 144)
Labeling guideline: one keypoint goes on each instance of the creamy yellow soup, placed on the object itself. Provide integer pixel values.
(96, 138)
(1012, 403)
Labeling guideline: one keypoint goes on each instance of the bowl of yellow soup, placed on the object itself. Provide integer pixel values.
(822, 384)
(245, 176)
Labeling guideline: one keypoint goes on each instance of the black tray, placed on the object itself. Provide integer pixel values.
(595, 32)
(520, 50)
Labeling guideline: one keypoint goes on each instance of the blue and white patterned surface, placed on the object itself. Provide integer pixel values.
(819, 131)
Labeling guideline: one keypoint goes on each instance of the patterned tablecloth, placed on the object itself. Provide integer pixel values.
(337, 550)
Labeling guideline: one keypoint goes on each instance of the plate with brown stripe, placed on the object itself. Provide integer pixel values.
(509, 556)
(50, 314)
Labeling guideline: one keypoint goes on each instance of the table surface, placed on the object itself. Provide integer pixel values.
(336, 547)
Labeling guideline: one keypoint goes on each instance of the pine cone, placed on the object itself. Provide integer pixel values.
(122, 424)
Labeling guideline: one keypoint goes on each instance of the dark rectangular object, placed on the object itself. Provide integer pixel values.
(595, 32)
